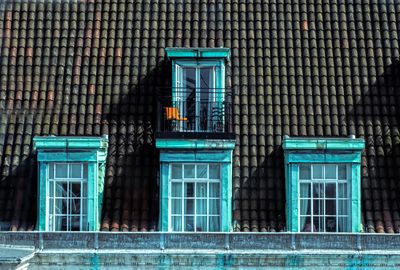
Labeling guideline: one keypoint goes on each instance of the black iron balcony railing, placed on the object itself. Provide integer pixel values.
(194, 110)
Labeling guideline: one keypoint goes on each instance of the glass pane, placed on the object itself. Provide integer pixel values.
(201, 190)
(189, 189)
(61, 189)
(318, 207)
(75, 189)
(214, 207)
(318, 190)
(189, 171)
(330, 171)
(305, 224)
(330, 190)
(330, 224)
(206, 79)
(75, 171)
(189, 78)
(201, 171)
(176, 189)
(189, 223)
(342, 172)
(177, 224)
(61, 206)
(214, 225)
(342, 207)
(75, 206)
(51, 188)
(318, 224)
(75, 224)
(85, 171)
(201, 223)
(84, 223)
(214, 171)
(330, 206)
(51, 206)
(305, 190)
(305, 172)
(305, 206)
(318, 171)
(214, 190)
(201, 207)
(84, 210)
(176, 171)
(65, 223)
(189, 206)
(176, 206)
(343, 224)
(51, 170)
(61, 171)
(342, 193)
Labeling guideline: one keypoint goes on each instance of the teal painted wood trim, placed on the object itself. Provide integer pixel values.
(101, 172)
(198, 53)
(73, 149)
(42, 197)
(194, 144)
(60, 142)
(226, 198)
(222, 157)
(67, 156)
(356, 225)
(323, 144)
(327, 157)
(294, 201)
(198, 156)
(91, 198)
(164, 198)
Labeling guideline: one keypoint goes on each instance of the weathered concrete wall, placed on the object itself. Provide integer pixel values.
(221, 250)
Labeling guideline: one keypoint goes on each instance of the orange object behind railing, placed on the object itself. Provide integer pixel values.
(172, 113)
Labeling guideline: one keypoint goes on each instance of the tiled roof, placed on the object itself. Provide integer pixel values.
(301, 68)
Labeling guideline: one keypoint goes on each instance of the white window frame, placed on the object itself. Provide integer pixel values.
(52, 182)
(312, 181)
(183, 180)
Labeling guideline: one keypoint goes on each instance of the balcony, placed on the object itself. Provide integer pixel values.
(194, 113)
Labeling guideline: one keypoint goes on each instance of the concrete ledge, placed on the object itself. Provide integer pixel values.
(223, 241)
(92, 249)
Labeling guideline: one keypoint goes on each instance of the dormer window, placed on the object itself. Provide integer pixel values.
(196, 142)
(198, 100)
(71, 182)
(323, 184)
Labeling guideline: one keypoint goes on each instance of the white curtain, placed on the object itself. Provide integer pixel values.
(342, 208)
(304, 204)
(214, 205)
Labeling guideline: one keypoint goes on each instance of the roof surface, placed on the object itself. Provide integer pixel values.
(302, 68)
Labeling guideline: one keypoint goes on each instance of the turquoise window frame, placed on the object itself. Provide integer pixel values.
(322, 150)
(196, 151)
(89, 150)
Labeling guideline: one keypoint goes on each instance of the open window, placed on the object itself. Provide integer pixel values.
(198, 101)
(199, 95)
(323, 184)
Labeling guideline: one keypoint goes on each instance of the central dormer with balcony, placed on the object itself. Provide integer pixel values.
(196, 140)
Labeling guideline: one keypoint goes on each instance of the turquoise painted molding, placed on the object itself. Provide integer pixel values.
(163, 143)
(322, 150)
(198, 53)
(223, 157)
(323, 144)
(61, 142)
(89, 150)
